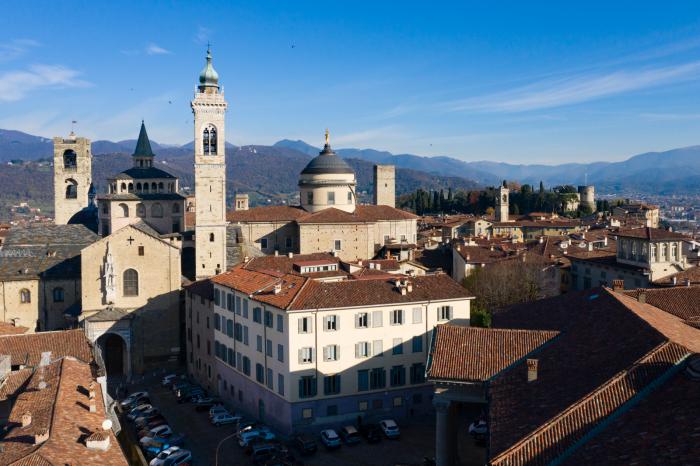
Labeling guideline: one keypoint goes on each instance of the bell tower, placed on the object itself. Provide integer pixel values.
(502, 203)
(72, 176)
(209, 108)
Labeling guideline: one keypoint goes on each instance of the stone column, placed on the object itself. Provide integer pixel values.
(444, 449)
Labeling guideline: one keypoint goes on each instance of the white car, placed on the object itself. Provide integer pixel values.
(168, 379)
(131, 398)
(160, 431)
(218, 409)
(390, 428)
(478, 428)
(162, 456)
(223, 418)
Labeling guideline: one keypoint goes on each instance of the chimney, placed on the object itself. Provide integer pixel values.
(378, 266)
(605, 241)
(92, 390)
(41, 436)
(491, 248)
(674, 280)
(45, 358)
(459, 248)
(541, 239)
(277, 253)
(641, 295)
(246, 259)
(403, 290)
(409, 286)
(467, 258)
(26, 419)
(5, 365)
(589, 246)
(97, 441)
(290, 254)
(359, 263)
(278, 288)
(335, 253)
(93, 405)
(687, 282)
(618, 285)
(531, 370)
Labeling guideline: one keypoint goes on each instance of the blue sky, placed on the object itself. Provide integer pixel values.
(520, 82)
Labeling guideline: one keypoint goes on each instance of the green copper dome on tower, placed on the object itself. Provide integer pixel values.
(208, 77)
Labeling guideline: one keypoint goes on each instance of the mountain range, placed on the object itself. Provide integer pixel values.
(675, 171)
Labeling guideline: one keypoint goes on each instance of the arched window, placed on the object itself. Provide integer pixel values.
(209, 140)
(131, 187)
(211, 237)
(123, 187)
(161, 187)
(176, 208)
(145, 187)
(138, 187)
(131, 282)
(171, 187)
(25, 296)
(157, 210)
(71, 189)
(674, 252)
(140, 210)
(125, 210)
(58, 295)
(662, 253)
(154, 187)
(205, 141)
(70, 160)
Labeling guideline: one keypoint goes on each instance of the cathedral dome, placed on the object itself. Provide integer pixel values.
(327, 162)
(209, 77)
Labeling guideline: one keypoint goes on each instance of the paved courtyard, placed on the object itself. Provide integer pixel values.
(417, 439)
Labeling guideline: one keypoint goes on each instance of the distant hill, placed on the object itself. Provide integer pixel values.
(671, 172)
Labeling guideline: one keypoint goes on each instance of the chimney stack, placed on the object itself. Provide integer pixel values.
(26, 419)
(532, 370)
(92, 390)
(641, 295)
(41, 436)
(290, 254)
(674, 280)
(618, 285)
(93, 405)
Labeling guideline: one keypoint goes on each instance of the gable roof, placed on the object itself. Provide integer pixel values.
(471, 354)
(651, 234)
(26, 349)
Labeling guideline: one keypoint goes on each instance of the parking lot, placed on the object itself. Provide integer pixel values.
(417, 439)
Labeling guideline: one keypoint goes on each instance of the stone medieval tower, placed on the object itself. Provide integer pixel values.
(72, 176)
(385, 185)
(209, 108)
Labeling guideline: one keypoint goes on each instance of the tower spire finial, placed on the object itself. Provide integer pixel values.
(328, 137)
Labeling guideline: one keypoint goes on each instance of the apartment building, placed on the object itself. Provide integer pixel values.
(297, 352)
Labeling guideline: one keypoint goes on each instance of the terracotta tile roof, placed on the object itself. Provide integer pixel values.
(662, 429)
(691, 274)
(26, 349)
(682, 301)
(275, 213)
(62, 409)
(285, 264)
(14, 382)
(481, 254)
(610, 349)
(651, 234)
(350, 293)
(362, 214)
(261, 285)
(553, 438)
(9, 329)
(477, 354)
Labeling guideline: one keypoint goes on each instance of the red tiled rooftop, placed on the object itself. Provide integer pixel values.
(26, 349)
(478, 354)
(651, 234)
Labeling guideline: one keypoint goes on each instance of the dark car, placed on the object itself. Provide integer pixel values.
(371, 432)
(350, 435)
(305, 444)
(141, 422)
(204, 403)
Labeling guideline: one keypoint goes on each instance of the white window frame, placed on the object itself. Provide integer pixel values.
(397, 313)
(306, 355)
(363, 350)
(305, 325)
(337, 242)
(359, 317)
(331, 353)
(331, 323)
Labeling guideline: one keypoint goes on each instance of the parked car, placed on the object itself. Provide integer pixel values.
(144, 430)
(136, 412)
(223, 418)
(173, 439)
(330, 439)
(190, 394)
(263, 453)
(147, 415)
(248, 435)
(245, 424)
(304, 444)
(160, 430)
(371, 432)
(158, 460)
(204, 403)
(157, 420)
(219, 409)
(178, 458)
(479, 430)
(168, 379)
(180, 385)
(135, 399)
(390, 428)
(151, 447)
(350, 435)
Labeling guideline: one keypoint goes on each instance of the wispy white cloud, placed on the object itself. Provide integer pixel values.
(203, 35)
(17, 84)
(155, 49)
(575, 89)
(16, 48)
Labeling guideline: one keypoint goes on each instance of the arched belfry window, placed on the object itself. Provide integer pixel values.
(209, 140)
(71, 189)
(25, 296)
(70, 160)
(131, 282)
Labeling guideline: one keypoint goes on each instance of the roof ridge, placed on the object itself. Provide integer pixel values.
(301, 290)
(521, 446)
